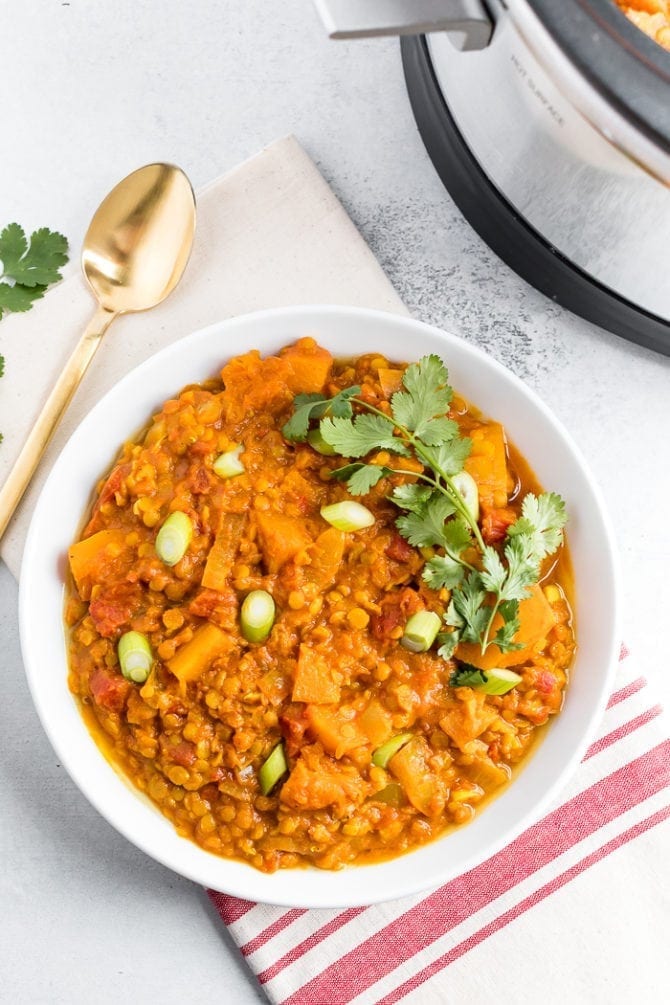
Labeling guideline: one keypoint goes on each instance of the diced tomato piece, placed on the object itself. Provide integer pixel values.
(204, 603)
(396, 609)
(199, 480)
(209, 792)
(537, 715)
(108, 491)
(545, 682)
(384, 623)
(113, 608)
(219, 606)
(495, 523)
(108, 690)
(201, 448)
(293, 725)
(399, 549)
(184, 753)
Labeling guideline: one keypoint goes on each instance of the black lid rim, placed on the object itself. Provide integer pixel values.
(500, 226)
(627, 68)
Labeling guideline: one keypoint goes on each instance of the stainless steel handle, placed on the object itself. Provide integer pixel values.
(367, 18)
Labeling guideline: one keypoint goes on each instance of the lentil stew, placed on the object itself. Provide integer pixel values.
(650, 16)
(246, 665)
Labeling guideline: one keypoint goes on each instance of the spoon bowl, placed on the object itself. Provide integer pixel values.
(139, 240)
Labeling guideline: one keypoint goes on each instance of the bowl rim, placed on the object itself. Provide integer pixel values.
(321, 889)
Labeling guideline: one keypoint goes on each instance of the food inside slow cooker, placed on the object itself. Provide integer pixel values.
(319, 611)
(651, 16)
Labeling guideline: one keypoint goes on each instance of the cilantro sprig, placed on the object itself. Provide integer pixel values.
(485, 583)
(27, 268)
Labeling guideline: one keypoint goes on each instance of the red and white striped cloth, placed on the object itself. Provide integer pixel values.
(410, 949)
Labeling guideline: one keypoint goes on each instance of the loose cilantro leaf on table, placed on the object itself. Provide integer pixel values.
(486, 584)
(27, 268)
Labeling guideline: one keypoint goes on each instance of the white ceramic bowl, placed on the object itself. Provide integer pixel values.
(346, 332)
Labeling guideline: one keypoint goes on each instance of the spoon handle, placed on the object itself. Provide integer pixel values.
(45, 424)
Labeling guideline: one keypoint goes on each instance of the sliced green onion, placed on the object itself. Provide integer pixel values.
(421, 631)
(383, 754)
(316, 440)
(229, 465)
(272, 769)
(174, 538)
(468, 491)
(347, 515)
(496, 681)
(135, 657)
(257, 615)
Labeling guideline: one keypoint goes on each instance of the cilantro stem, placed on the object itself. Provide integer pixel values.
(453, 493)
(448, 488)
(489, 624)
(422, 477)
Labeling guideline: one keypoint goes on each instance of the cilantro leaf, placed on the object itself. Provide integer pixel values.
(411, 497)
(504, 637)
(522, 569)
(366, 478)
(449, 458)
(493, 572)
(315, 406)
(451, 616)
(19, 298)
(340, 405)
(468, 601)
(427, 393)
(542, 519)
(29, 267)
(466, 675)
(361, 435)
(448, 642)
(433, 432)
(297, 427)
(442, 571)
(37, 264)
(425, 527)
(13, 246)
(456, 536)
(360, 478)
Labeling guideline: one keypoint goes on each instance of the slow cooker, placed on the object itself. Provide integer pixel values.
(549, 123)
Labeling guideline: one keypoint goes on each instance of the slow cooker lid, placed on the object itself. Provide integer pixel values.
(626, 67)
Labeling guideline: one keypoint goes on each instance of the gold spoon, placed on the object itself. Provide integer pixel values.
(134, 254)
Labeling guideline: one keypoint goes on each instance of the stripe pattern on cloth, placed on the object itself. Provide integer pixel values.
(386, 952)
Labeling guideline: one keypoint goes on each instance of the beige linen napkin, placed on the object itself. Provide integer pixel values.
(270, 233)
